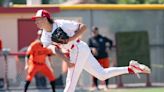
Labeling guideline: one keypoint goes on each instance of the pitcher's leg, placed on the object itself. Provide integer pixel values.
(72, 77)
(78, 57)
(94, 68)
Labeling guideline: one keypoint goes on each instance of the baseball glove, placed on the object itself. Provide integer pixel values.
(59, 36)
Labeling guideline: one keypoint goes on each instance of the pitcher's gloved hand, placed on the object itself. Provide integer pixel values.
(59, 36)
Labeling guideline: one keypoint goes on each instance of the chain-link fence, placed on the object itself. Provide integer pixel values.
(13, 73)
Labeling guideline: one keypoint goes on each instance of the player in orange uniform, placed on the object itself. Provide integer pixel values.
(37, 63)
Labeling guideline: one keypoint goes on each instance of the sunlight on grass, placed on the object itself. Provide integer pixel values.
(137, 90)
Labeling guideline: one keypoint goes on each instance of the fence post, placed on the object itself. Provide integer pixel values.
(5, 52)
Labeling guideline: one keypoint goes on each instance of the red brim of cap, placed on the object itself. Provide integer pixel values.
(34, 17)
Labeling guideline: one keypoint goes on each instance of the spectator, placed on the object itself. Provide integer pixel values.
(99, 45)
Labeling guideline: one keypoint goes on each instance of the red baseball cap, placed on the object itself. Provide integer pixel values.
(41, 13)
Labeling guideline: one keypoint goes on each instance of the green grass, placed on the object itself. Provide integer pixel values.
(158, 89)
(153, 89)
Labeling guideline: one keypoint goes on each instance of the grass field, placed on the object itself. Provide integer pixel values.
(156, 89)
(137, 90)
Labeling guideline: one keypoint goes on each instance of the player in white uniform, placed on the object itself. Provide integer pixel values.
(80, 53)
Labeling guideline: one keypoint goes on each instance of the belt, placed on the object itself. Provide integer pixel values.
(37, 63)
(74, 45)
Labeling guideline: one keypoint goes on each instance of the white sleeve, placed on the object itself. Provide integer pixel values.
(46, 39)
(69, 26)
(72, 25)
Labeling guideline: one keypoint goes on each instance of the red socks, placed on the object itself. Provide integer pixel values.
(130, 71)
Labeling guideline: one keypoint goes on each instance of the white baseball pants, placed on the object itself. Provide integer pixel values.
(83, 59)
